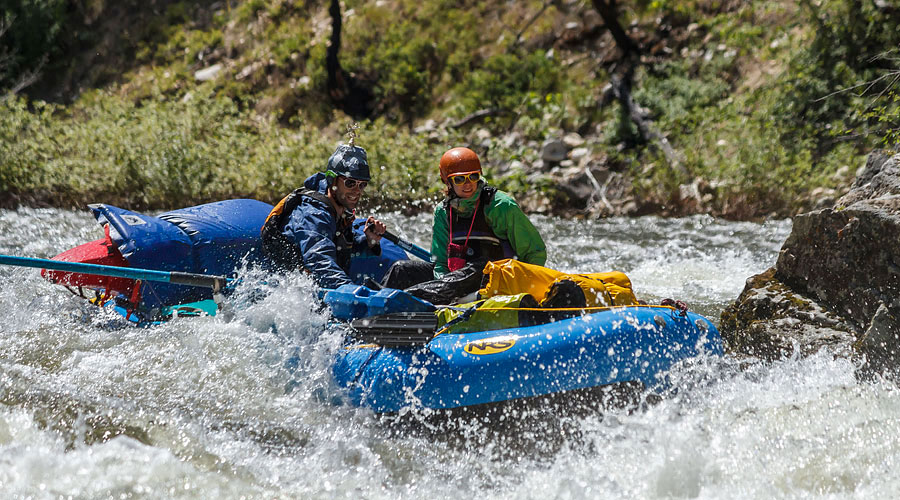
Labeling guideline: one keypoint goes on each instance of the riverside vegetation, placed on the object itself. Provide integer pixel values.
(770, 106)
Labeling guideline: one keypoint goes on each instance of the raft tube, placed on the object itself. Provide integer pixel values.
(623, 344)
(215, 238)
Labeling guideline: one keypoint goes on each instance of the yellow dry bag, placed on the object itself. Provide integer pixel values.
(512, 277)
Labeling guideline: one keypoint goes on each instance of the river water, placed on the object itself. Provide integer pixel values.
(205, 408)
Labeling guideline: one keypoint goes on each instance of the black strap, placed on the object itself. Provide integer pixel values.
(483, 244)
(284, 252)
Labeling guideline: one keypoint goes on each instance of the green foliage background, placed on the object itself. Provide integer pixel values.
(766, 100)
(30, 29)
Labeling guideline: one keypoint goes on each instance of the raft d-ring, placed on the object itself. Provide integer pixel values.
(703, 326)
(659, 320)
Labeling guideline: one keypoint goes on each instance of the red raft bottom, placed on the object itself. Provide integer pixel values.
(103, 252)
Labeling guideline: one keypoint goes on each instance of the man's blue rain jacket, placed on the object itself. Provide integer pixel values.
(316, 230)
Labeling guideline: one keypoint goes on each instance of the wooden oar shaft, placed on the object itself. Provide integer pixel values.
(179, 278)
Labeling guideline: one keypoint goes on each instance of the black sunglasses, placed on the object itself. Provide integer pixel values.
(352, 183)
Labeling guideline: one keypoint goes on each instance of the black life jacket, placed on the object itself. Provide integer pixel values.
(283, 251)
(481, 243)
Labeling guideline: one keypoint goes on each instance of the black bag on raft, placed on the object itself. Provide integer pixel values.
(451, 286)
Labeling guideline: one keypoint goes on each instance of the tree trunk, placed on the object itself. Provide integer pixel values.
(347, 93)
(607, 10)
(337, 84)
(621, 86)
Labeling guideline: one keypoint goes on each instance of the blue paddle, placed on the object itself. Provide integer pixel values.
(205, 280)
(409, 247)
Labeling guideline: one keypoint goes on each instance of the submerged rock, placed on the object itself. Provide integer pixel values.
(836, 282)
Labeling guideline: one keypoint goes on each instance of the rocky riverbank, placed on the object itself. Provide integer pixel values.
(568, 176)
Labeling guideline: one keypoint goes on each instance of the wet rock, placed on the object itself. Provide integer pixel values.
(880, 343)
(769, 320)
(836, 282)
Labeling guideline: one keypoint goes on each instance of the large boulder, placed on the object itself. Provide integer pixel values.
(836, 282)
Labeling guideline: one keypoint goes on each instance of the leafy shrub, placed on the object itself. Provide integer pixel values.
(505, 81)
(825, 88)
(407, 76)
(160, 139)
(887, 115)
(410, 50)
(165, 154)
(678, 95)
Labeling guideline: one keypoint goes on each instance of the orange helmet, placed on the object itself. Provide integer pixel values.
(459, 161)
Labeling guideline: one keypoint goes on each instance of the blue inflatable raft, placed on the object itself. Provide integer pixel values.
(212, 239)
(620, 344)
(423, 370)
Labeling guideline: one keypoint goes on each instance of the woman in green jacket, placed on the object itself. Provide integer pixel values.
(477, 222)
(474, 224)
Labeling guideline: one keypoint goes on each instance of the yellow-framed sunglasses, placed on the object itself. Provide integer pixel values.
(459, 180)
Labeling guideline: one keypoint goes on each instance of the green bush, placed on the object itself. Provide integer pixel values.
(406, 76)
(410, 51)
(165, 154)
(679, 95)
(506, 81)
(826, 89)
(887, 115)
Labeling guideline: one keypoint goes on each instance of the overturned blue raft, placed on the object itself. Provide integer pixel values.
(212, 239)
(622, 344)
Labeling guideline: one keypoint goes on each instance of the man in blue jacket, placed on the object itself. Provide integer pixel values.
(311, 228)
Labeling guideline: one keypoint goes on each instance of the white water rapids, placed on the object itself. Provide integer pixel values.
(205, 407)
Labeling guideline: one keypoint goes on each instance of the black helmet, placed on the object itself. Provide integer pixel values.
(349, 161)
